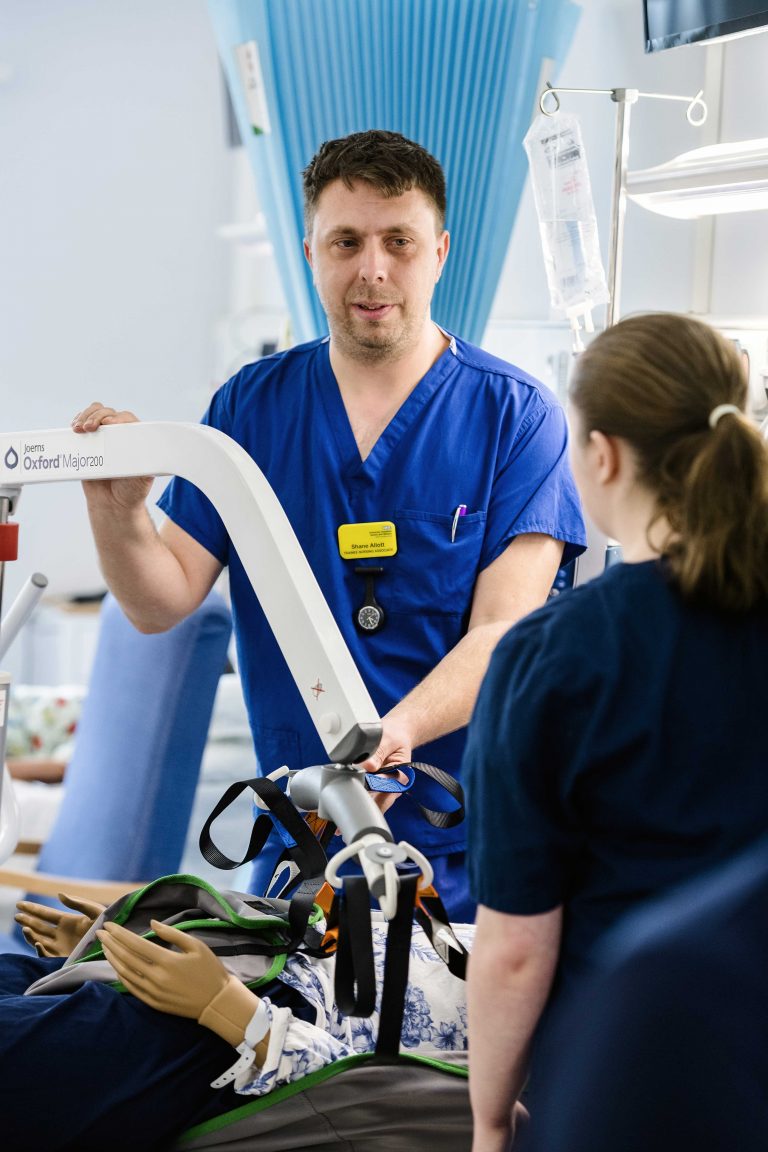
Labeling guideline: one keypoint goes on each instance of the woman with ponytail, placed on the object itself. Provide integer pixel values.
(617, 747)
(673, 391)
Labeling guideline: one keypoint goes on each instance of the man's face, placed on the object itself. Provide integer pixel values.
(375, 263)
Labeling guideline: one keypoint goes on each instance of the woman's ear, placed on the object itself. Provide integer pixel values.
(605, 454)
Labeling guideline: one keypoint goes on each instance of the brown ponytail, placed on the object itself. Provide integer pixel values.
(654, 381)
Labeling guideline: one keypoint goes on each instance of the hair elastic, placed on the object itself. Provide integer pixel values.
(722, 410)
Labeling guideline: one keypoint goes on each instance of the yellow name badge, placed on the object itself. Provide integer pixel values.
(377, 539)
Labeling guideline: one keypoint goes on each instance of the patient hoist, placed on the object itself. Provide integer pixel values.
(427, 1097)
(343, 713)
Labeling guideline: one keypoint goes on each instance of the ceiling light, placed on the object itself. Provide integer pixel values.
(704, 182)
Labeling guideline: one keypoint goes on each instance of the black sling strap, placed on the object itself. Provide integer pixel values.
(440, 819)
(355, 979)
(306, 852)
(396, 964)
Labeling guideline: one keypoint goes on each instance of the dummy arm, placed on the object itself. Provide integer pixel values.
(190, 982)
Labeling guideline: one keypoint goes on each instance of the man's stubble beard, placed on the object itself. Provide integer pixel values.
(374, 348)
(367, 350)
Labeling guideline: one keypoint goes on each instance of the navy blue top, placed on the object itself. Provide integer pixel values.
(474, 431)
(673, 1028)
(617, 749)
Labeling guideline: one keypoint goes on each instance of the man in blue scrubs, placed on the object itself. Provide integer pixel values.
(387, 421)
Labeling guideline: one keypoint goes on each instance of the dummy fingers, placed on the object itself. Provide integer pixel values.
(182, 983)
(90, 908)
(39, 928)
(179, 940)
(197, 954)
(32, 940)
(126, 964)
(201, 975)
(45, 950)
(39, 912)
(127, 945)
(38, 947)
(133, 981)
(62, 930)
(193, 963)
(150, 952)
(135, 973)
(59, 931)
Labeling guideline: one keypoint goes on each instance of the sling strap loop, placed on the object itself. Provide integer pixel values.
(355, 979)
(396, 965)
(302, 847)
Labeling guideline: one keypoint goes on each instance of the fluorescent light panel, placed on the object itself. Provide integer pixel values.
(707, 181)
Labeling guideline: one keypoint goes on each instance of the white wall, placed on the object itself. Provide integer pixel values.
(740, 279)
(115, 173)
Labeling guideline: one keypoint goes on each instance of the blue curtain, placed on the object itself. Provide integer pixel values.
(459, 76)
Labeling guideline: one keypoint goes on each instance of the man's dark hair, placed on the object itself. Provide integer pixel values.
(391, 163)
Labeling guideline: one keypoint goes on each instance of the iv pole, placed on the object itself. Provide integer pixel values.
(624, 98)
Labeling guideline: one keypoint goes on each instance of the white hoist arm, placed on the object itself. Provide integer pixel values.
(307, 634)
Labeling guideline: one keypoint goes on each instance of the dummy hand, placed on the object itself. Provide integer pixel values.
(53, 932)
(190, 982)
(181, 982)
(124, 494)
(394, 748)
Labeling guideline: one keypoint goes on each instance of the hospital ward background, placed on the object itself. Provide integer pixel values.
(147, 257)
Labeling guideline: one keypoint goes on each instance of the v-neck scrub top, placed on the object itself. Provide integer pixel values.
(475, 431)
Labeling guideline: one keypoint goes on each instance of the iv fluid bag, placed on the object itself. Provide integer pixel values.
(567, 223)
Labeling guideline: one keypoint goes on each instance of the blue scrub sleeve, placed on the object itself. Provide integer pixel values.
(534, 491)
(523, 838)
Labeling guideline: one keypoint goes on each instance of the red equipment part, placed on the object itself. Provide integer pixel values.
(9, 542)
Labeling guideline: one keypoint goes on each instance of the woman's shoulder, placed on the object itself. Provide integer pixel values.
(585, 621)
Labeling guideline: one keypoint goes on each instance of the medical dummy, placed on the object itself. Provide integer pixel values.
(614, 751)
(100, 1068)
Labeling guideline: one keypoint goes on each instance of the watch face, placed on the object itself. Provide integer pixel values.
(369, 618)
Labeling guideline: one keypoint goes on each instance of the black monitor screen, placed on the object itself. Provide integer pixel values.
(669, 23)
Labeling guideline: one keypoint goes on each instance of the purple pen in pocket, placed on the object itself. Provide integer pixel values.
(460, 511)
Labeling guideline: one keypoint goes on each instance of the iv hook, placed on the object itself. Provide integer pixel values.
(696, 112)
